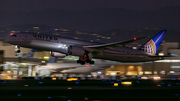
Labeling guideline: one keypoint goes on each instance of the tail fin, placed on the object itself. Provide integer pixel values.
(153, 44)
(30, 54)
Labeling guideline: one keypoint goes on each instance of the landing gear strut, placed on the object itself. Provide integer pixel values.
(85, 59)
(18, 51)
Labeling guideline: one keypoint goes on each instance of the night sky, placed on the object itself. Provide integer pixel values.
(92, 15)
(76, 5)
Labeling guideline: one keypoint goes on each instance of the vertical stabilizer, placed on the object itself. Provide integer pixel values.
(153, 44)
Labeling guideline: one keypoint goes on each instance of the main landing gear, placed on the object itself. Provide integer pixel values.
(18, 51)
(85, 59)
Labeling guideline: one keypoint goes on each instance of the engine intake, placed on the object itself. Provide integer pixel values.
(57, 54)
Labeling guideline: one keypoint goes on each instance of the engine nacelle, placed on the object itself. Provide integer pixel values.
(77, 51)
(57, 54)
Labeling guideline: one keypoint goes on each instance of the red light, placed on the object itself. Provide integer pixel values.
(134, 38)
(87, 65)
(11, 33)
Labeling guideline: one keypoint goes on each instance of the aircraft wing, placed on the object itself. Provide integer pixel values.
(65, 68)
(111, 45)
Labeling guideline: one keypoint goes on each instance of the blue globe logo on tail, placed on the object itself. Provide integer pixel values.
(153, 44)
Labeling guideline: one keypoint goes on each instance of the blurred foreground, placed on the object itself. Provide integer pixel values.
(73, 89)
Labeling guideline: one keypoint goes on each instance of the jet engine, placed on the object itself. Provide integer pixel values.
(57, 54)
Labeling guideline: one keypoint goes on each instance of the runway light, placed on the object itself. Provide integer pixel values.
(19, 95)
(4, 82)
(144, 77)
(25, 85)
(40, 82)
(85, 98)
(69, 88)
(177, 83)
(158, 85)
(169, 84)
(126, 83)
(162, 83)
(53, 78)
(173, 79)
(72, 79)
(115, 84)
(119, 80)
(49, 97)
(156, 77)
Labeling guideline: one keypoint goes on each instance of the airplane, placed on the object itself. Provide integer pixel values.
(61, 46)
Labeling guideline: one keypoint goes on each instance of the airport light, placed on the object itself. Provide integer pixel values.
(53, 78)
(23, 64)
(158, 85)
(46, 58)
(19, 95)
(115, 84)
(85, 98)
(156, 77)
(72, 79)
(144, 77)
(161, 54)
(126, 83)
(40, 82)
(99, 72)
(169, 84)
(25, 85)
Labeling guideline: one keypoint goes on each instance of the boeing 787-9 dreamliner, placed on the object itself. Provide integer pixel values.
(60, 46)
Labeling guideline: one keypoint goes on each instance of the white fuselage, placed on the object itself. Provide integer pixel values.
(60, 44)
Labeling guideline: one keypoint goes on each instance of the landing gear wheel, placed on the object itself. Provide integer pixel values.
(82, 62)
(88, 61)
(78, 61)
(91, 62)
(18, 51)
